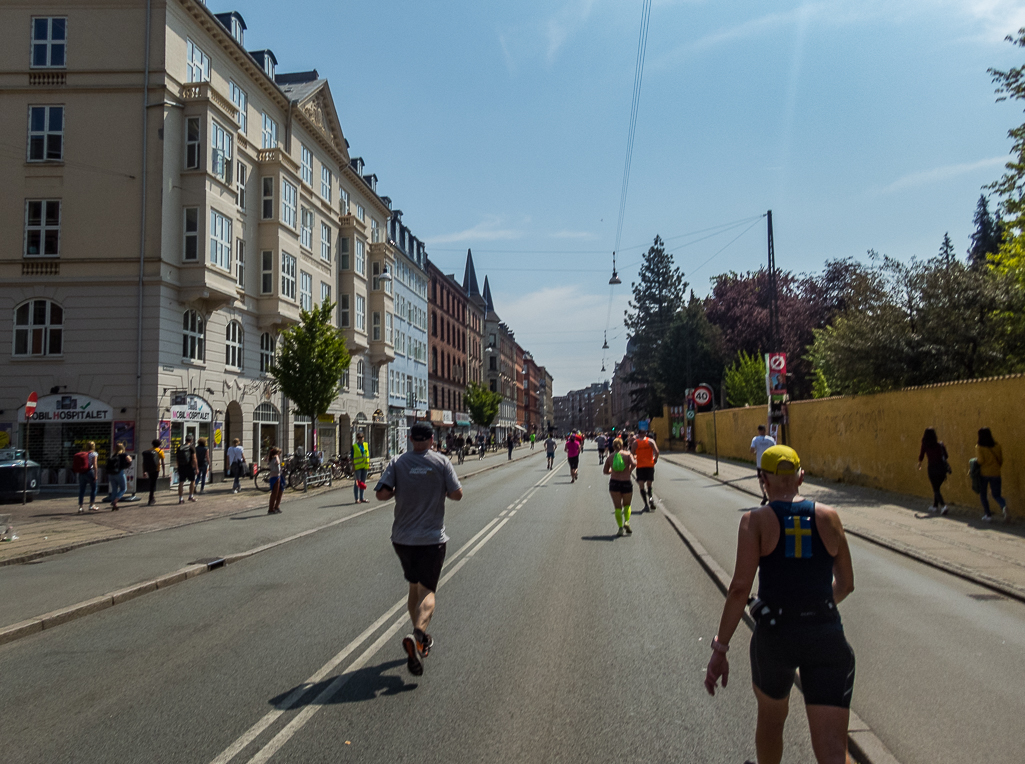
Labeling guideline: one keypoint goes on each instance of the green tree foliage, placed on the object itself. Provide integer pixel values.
(482, 404)
(987, 236)
(657, 297)
(690, 353)
(310, 360)
(745, 381)
(1011, 187)
(947, 254)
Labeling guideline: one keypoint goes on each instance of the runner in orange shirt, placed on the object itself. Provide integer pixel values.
(646, 453)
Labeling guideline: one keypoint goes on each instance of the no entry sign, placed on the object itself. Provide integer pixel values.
(30, 405)
(702, 395)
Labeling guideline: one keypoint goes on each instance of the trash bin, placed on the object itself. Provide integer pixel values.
(12, 475)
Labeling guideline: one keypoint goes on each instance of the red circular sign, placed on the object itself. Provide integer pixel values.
(703, 395)
(30, 406)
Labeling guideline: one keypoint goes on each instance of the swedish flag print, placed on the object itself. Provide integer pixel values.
(798, 531)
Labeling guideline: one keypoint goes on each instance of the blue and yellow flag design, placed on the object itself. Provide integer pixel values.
(798, 531)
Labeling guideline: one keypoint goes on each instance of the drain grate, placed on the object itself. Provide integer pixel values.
(210, 562)
(987, 597)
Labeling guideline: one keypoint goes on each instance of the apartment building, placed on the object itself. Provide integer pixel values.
(579, 409)
(168, 216)
(448, 336)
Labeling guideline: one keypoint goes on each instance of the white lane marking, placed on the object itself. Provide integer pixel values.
(511, 505)
(502, 513)
(487, 538)
(512, 513)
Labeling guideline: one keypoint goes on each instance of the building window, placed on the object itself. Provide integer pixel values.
(289, 195)
(197, 63)
(361, 313)
(307, 166)
(287, 276)
(266, 272)
(45, 133)
(266, 352)
(269, 132)
(191, 252)
(306, 228)
(359, 212)
(360, 371)
(220, 143)
(325, 184)
(240, 262)
(42, 227)
(375, 270)
(343, 311)
(434, 323)
(233, 345)
(376, 336)
(343, 253)
(389, 321)
(38, 328)
(49, 42)
(240, 186)
(192, 145)
(375, 380)
(343, 201)
(325, 242)
(267, 197)
(434, 360)
(193, 336)
(305, 290)
(494, 388)
(325, 293)
(361, 258)
(345, 380)
(220, 240)
(241, 101)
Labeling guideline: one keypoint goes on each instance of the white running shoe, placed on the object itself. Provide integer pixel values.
(944, 510)
(987, 518)
(622, 532)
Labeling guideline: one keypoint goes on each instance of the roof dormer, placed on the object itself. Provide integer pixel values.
(266, 60)
(234, 23)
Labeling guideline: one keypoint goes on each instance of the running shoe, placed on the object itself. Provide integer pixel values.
(622, 532)
(626, 527)
(415, 663)
(987, 518)
(944, 510)
(424, 642)
(1007, 518)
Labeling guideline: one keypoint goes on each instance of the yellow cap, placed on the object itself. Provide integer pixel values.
(780, 460)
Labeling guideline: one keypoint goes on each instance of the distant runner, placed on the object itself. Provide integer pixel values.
(550, 445)
(533, 437)
(602, 442)
(646, 452)
(759, 443)
(618, 467)
(420, 480)
(573, 453)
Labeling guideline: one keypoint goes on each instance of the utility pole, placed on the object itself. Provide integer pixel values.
(773, 294)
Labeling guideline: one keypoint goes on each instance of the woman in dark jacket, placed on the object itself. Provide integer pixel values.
(936, 453)
(203, 462)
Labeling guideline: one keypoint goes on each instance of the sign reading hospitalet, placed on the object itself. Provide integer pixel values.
(69, 408)
(190, 408)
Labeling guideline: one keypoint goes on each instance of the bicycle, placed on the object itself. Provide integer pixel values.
(262, 478)
(341, 467)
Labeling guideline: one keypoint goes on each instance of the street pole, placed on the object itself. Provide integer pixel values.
(715, 436)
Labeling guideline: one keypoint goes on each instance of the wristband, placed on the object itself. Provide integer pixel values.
(719, 647)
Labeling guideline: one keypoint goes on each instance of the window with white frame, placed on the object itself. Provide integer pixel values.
(376, 326)
(343, 201)
(49, 42)
(45, 133)
(289, 196)
(307, 166)
(325, 184)
(192, 143)
(375, 269)
(375, 232)
(241, 174)
(325, 293)
(197, 63)
(343, 253)
(306, 228)
(266, 272)
(305, 290)
(267, 198)
(361, 257)
(343, 311)
(269, 132)
(42, 227)
(38, 328)
(325, 242)
(220, 240)
(375, 380)
(360, 213)
(220, 158)
(241, 101)
(360, 373)
(345, 379)
(287, 276)
(389, 320)
(266, 352)
(193, 336)
(191, 234)
(240, 262)
(233, 345)
(361, 313)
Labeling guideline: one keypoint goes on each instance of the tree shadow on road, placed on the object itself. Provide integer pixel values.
(366, 684)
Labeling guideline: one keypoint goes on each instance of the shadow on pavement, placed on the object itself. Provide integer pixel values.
(599, 538)
(366, 684)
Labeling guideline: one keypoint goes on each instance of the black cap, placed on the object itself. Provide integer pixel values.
(421, 431)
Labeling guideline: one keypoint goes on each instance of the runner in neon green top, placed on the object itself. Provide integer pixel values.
(533, 437)
(618, 466)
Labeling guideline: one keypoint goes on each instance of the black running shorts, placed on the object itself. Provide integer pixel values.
(574, 462)
(645, 474)
(421, 564)
(621, 486)
(820, 651)
(186, 474)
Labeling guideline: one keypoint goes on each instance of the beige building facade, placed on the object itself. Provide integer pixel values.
(168, 216)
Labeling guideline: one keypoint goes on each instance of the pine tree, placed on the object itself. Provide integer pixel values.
(986, 239)
(947, 254)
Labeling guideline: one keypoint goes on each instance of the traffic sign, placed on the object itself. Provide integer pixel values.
(30, 406)
(690, 413)
(703, 395)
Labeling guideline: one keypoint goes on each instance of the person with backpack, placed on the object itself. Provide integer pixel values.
(202, 464)
(84, 464)
(116, 477)
(236, 465)
(938, 467)
(151, 459)
(990, 459)
(187, 469)
(618, 466)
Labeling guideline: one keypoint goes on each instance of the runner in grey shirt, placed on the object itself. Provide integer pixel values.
(420, 480)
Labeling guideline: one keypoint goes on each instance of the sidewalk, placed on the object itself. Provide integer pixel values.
(51, 524)
(990, 555)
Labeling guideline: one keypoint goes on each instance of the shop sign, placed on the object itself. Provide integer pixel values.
(326, 418)
(446, 417)
(408, 412)
(218, 436)
(124, 432)
(69, 408)
(190, 408)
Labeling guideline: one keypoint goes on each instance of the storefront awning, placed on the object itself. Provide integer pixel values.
(521, 429)
(462, 423)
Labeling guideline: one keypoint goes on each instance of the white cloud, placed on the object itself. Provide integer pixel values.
(486, 230)
(937, 174)
(510, 64)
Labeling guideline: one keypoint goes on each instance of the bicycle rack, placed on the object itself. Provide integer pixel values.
(320, 476)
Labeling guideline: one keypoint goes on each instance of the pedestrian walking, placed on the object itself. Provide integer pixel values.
(117, 464)
(759, 444)
(187, 469)
(645, 451)
(800, 553)
(202, 464)
(618, 466)
(420, 480)
(509, 443)
(276, 481)
(573, 456)
(236, 465)
(151, 468)
(938, 467)
(361, 468)
(86, 465)
(991, 459)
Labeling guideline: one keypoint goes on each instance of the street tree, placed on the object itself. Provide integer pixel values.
(691, 353)
(1011, 186)
(310, 359)
(745, 381)
(482, 404)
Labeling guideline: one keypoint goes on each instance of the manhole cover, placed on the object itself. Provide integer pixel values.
(986, 597)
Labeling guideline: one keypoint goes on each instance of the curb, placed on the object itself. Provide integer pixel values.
(96, 604)
(998, 585)
(864, 745)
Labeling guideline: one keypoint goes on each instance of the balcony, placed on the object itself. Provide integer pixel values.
(351, 222)
(204, 92)
(276, 157)
(355, 341)
(208, 286)
(276, 313)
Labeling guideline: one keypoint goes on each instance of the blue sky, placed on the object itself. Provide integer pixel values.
(502, 127)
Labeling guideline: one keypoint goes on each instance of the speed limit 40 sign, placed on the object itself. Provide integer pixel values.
(703, 395)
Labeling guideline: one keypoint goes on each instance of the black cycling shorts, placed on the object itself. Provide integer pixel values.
(421, 564)
(574, 461)
(621, 486)
(645, 474)
(820, 651)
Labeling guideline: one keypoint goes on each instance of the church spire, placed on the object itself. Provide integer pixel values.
(470, 277)
(487, 296)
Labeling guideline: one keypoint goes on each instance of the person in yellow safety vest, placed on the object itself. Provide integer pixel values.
(360, 466)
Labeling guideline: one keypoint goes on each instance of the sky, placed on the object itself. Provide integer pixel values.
(502, 127)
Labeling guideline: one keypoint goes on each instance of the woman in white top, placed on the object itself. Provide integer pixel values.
(236, 464)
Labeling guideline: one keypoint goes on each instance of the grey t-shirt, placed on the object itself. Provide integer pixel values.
(421, 480)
